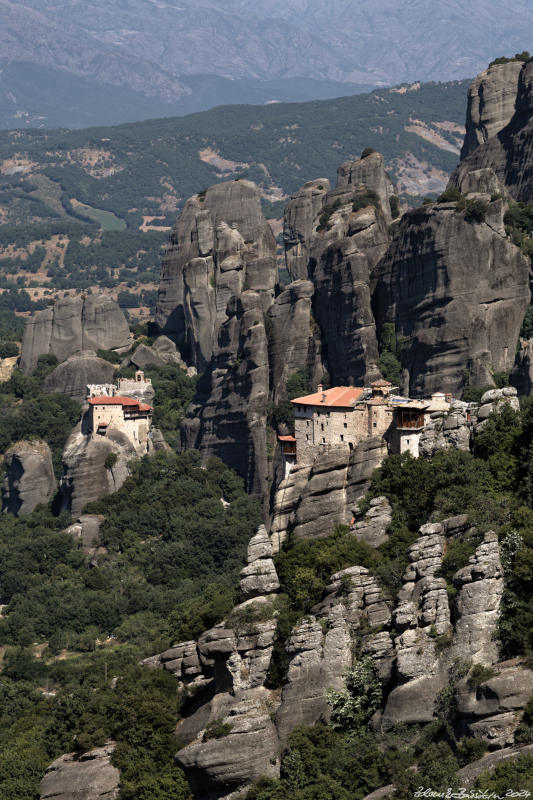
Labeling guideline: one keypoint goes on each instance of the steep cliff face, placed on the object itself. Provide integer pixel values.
(29, 477)
(457, 291)
(509, 150)
(313, 499)
(491, 104)
(87, 469)
(300, 215)
(228, 415)
(220, 245)
(73, 324)
(342, 234)
(294, 344)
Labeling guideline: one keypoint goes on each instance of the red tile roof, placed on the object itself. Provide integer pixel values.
(286, 438)
(339, 396)
(117, 400)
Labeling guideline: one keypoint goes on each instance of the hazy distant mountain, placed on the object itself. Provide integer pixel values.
(169, 56)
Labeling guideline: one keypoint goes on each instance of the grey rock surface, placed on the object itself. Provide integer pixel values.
(300, 214)
(85, 476)
(29, 477)
(446, 430)
(451, 318)
(507, 151)
(489, 763)
(343, 252)
(293, 344)
(491, 104)
(220, 245)
(89, 777)
(71, 325)
(227, 417)
(372, 526)
(259, 577)
(72, 376)
(315, 498)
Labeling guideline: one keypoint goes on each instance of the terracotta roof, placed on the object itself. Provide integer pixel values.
(380, 383)
(102, 424)
(339, 396)
(286, 438)
(117, 400)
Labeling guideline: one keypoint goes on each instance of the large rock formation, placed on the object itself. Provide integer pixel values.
(314, 499)
(453, 322)
(93, 466)
(29, 477)
(228, 415)
(507, 151)
(293, 342)
(491, 104)
(421, 644)
(72, 376)
(342, 233)
(221, 245)
(73, 324)
(87, 777)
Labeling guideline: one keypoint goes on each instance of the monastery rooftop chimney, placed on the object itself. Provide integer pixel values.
(320, 387)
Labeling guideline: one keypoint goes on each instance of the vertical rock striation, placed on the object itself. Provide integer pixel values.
(221, 244)
(29, 477)
(73, 324)
(454, 322)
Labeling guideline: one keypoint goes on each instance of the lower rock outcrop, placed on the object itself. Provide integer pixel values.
(87, 777)
(29, 477)
(314, 498)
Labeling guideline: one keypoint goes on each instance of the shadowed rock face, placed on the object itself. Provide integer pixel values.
(228, 415)
(342, 247)
(293, 343)
(457, 292)
(72, 376)
(29, 477)
(301, 212)
(491, 104)
(220, 245)
(73, 324)
(509, 151)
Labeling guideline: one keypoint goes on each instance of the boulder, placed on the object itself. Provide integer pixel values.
(73, 375)
(29, 477)
(87, 777)
(73, 324)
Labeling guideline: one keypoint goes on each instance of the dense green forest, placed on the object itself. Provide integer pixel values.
(170, 572)
(126, 169)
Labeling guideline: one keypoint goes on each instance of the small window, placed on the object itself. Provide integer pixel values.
(323, 440)
(322, 426)
(345, 424)
(375, 424)
(407, 440)
(342, 438)
(307, 423)
(307, 437)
